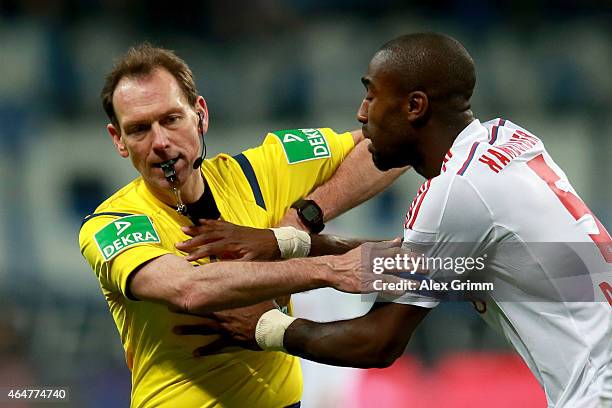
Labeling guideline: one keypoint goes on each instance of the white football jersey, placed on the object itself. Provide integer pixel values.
(549, 259)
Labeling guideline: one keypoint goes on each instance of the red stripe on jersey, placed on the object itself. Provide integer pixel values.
(447, 157)
(413, 212)
(495, 129)
(413, 203)
(493, 134)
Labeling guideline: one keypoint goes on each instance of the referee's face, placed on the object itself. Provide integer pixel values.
(383, 118)
(157, 124)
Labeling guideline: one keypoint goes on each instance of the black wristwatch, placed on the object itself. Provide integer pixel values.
(310, 214)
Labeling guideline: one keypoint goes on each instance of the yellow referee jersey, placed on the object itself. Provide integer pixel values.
(255, 188)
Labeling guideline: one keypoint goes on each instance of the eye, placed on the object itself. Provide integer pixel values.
(137, 129)
(172, 119)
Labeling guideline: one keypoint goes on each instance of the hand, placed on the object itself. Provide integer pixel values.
(346, 270)
(291, 219)
(236, 328)
(229, 241)
(358, 272)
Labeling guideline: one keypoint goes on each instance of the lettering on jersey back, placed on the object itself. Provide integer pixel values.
(124, 233)
(303, 144)
(498, 157)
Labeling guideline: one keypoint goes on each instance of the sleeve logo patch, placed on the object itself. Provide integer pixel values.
(124, 233)
(303, 144)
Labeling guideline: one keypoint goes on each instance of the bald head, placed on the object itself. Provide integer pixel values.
(418, 90)
(433, 63)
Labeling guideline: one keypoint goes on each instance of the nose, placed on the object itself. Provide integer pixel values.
(362, 112)
(160, 140)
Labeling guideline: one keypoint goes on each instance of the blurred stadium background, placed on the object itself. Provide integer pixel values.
(264, 65)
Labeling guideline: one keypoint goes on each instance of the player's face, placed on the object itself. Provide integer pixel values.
(382, 114)
(157, 124)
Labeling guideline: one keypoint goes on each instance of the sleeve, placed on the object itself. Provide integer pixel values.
(449, 223)
(115, 247)
(291, 163)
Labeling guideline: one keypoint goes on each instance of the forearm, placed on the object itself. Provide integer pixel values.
(373, 340)
(336, 343)
(332, 244)
(226, 285)
(355, 181)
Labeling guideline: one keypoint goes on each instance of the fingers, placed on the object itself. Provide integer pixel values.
(206, 231)
(252, 312)
(394, 260)
(198, 253)
(389, 285)
(193, 243)
(218, 248)
(214, 347)
(209, 327)
(394, 243)
(198, 239)
(206, 225)
(370, 249)
(209, 232)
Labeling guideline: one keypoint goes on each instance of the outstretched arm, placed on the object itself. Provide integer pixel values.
(356, 180)
(230, 241)
(333, 244)
(376, 339)
(173, 281)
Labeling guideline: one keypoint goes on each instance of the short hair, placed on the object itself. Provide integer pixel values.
(142, 60)
(433, 62)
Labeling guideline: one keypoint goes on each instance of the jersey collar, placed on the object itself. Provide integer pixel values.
(474, 132)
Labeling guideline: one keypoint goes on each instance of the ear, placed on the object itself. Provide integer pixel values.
(203, 110)
(418, 106)
(116, 136)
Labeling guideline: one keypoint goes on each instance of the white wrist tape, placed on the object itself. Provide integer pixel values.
(292, 242)
(270, 330)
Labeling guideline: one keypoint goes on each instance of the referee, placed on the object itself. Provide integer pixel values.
(158, 121)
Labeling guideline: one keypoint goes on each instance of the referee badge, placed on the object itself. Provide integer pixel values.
(303, 144)
(123, 233)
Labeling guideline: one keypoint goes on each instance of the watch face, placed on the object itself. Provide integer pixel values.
(310, 212)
